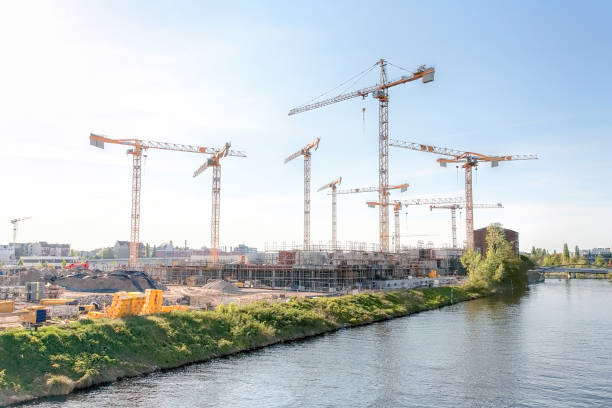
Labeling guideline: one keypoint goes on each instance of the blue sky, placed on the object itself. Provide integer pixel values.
(511, 78)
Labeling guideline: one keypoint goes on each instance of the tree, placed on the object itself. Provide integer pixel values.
(566, 254)
(148, 251)
(576, 251)
(500, 267)
(533, 251)
(107, 253)
(154, 253)
(74, 252)
(20, 263)
(600, 261)
(63, 264)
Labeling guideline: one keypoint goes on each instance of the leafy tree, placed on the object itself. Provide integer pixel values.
(148, 251)
(566, 254)
(576, 251)
(533, 251)
(107, 253)
(63, 264)
(20, 263)
(154, 253)
(600, 261)
(74, 252)
(500, 267)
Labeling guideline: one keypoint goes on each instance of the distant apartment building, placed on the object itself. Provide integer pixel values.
(7, 253)
(480, 240)
(591, 254)
(43, 248)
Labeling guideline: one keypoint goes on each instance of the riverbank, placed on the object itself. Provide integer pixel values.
(57, 361)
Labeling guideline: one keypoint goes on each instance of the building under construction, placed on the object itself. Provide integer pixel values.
(320, 271)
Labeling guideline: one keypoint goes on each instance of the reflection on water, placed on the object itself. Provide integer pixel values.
(550, 346)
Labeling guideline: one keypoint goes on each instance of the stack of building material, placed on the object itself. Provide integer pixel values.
(153, 302)
(138, 301)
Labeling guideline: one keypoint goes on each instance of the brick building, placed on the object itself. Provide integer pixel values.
(480, 240)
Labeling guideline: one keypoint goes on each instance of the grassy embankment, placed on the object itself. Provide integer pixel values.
(55, 361)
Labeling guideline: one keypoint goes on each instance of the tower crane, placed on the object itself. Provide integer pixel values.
(334, 187)
(15, 223)
(137, 146)
(454, 208)
(468, 160)
(305, 151)
(214, 162)
(397, 206)
(379, 91)
(402, 187)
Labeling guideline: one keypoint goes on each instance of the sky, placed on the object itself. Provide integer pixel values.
(517, 77)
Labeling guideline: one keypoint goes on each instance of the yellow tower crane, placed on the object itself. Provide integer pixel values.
(468, 160)
(138, 146)
(305, 151)
(398, 204)
(334, 186)
(379, 91)
(214, 162)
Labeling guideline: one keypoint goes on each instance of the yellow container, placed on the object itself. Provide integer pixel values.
(95, 315)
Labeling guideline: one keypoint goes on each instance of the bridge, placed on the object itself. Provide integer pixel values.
(572, 270)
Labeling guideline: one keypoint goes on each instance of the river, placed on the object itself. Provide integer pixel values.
(549, 347)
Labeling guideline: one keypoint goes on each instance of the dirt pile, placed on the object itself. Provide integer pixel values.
(120, 280)
(221, 286)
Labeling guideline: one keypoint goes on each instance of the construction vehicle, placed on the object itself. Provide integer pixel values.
(379, 91)
(468, 161)
(214, 162)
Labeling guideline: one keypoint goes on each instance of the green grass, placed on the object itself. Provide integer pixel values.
(54, 361)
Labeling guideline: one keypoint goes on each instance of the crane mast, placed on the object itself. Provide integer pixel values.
(468, 161)
(334, 188)
(380, 92)
(305, 151)
(215, 219)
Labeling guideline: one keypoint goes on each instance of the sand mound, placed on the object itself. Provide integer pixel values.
(221, 286)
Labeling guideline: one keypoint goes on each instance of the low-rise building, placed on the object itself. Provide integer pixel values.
(44, 248)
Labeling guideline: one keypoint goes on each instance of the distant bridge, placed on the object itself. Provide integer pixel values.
(572, 271)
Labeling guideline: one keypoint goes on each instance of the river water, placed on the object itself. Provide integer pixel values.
(549, 347)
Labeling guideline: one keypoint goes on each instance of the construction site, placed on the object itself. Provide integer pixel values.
(307, 269)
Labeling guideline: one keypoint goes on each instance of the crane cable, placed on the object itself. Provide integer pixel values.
(360, 75)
